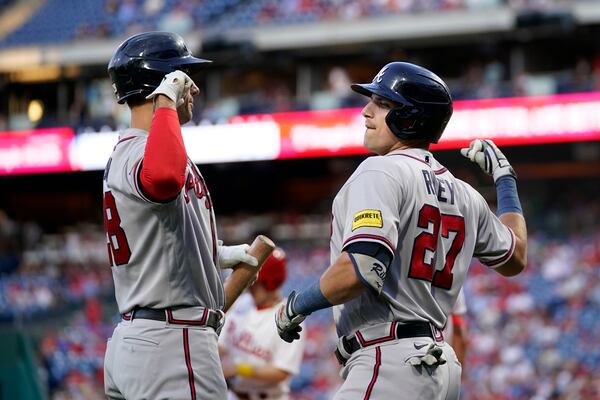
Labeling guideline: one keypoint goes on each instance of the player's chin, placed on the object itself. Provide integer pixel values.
(373, 146)
(368, 138)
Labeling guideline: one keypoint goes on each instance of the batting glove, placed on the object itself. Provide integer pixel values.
(174, 85)
(434, 356)
(288, 321)
(230, 256)
(490, 159)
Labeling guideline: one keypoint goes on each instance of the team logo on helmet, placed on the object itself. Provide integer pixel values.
(379, 77)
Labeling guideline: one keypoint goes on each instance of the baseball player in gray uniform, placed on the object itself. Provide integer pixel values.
(403, 233)
(161, 234)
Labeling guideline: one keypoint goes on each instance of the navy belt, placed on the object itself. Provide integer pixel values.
(213, 319)
(249, 396)
(402, 331)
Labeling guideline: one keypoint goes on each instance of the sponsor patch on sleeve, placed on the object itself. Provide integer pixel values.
(367, 218)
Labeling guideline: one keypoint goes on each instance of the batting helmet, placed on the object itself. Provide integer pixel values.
(140, 63)
(424, 101)
(273, 272)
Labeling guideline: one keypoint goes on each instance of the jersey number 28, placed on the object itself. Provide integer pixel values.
(118, 247)
(421, 269)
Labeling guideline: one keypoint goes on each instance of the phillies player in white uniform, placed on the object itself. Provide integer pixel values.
(404, 230)
(455, 331)
(256, 363)
(161, 236)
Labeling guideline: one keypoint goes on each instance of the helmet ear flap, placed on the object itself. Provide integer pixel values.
(401, 122)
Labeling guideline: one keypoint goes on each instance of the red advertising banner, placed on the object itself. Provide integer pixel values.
(525, 120)
(320, 133)
(35, 151)
(510, 121)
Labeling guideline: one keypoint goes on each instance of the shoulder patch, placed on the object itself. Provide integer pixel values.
(369, 218)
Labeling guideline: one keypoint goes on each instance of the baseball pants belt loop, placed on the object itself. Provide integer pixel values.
(349, 344)
(213, 320)
(341, 352)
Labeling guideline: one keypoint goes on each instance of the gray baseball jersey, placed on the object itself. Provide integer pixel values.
(459, 310)
(431, 221)
(161, 254)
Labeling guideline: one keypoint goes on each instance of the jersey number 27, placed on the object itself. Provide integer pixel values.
(421, 269)
(118, 247)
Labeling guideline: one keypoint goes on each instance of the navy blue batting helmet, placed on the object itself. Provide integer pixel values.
(140, 63)
(423, 101)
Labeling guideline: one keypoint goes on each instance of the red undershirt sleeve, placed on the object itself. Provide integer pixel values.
(458, 320)
(162, 175)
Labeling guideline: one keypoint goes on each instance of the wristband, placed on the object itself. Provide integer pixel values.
(310, 299)
(244, 370)
(508, 197)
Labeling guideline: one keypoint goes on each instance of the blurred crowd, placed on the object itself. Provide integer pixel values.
(530, 337)
(535, 336)
(42, 272)
(72, 355)
(94, 19)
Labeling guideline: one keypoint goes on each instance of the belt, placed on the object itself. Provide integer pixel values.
(250, 396)
(212, 320)
(400, 331)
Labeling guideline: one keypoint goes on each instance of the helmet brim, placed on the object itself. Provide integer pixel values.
(368, 89)
(191, 63)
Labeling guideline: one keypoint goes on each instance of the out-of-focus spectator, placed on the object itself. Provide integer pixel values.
(151, 7)
(127, 11)
(111, 6)
(178, 20)
(338, 93)
(579, 79)
(3, 122)
(9, 257)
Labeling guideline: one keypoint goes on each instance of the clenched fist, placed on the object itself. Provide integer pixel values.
(230, 256)
(488, 156)
(288, 321)
(175, 85)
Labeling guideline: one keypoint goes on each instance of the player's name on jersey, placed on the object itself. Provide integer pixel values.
(443, 189)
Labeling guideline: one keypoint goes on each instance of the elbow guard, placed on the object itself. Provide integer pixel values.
(371, 262)
(369, 270)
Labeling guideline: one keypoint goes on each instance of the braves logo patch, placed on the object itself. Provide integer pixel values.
(367, 218)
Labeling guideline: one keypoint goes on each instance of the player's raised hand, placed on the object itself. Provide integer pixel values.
(175, 85)
(288, 321)
(230, 256)
(488, 156)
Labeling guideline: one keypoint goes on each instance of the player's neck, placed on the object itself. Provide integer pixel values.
(141, 116)
(400, 145)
